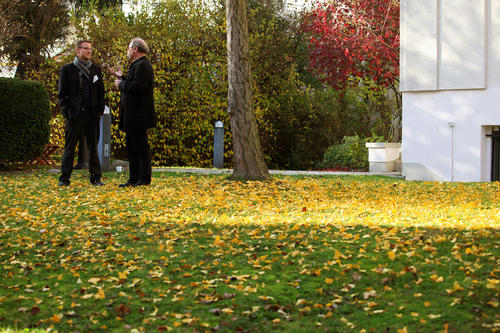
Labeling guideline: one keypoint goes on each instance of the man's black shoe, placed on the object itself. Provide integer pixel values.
(63, 183)
(97, 183)
(141, 183)
(127, 184)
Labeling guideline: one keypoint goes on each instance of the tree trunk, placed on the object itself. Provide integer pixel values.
(395, 133)
(248, 158)
(23, 64)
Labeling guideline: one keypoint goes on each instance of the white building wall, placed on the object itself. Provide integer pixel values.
(428, 151)
(450, 78)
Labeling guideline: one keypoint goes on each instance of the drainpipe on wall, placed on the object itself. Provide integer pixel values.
(451, 125)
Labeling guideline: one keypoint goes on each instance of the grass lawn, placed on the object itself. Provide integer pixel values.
(196, 253)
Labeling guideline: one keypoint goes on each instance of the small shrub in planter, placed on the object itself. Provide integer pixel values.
(350, 154)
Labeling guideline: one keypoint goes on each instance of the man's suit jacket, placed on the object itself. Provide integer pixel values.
(70, 91)
(137, 108)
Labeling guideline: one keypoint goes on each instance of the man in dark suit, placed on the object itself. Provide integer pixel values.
(81, 97)
(137, 111)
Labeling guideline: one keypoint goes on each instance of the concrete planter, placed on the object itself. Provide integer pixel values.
(384, 156)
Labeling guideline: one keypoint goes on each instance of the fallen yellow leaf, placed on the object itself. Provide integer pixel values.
(218, 242)
(56, 318)
(94, 280)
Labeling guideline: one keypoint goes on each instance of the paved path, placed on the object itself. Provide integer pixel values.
(280, 172)
(124, 164)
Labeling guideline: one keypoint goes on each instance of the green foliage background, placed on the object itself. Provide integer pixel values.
(298, 118)
(25, 114)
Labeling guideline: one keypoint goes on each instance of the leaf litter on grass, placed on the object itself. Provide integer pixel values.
(203, 253)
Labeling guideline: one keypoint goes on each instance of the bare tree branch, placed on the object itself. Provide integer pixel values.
(10, 27)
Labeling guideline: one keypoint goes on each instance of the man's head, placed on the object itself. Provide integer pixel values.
(137, 49)
(83, 49)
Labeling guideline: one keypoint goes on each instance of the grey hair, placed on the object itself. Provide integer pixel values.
(140, 44)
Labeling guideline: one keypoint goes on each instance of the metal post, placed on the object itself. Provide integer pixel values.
(452, 153)
(104, 145)
(219, 145)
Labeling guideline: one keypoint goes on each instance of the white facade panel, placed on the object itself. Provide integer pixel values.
(419, 54)
(493, 73)
(443, 44)
(462, 44)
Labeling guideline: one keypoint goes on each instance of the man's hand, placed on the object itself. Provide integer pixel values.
(116, 72)
(117, 82)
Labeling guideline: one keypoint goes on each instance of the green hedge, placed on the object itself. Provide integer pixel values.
(25, 114)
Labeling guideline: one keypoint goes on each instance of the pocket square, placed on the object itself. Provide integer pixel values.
(95, 79)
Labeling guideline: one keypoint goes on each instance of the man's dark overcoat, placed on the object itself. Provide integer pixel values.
(137, 110)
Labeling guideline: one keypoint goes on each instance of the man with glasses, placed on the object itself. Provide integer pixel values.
(81, 97)
(137, 111)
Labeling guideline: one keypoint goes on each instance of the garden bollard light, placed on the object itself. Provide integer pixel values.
(219, 145)
(104, 145)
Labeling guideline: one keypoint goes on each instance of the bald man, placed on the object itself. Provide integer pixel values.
(137, 111)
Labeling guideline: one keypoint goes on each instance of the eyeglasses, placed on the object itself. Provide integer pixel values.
(86, 48)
